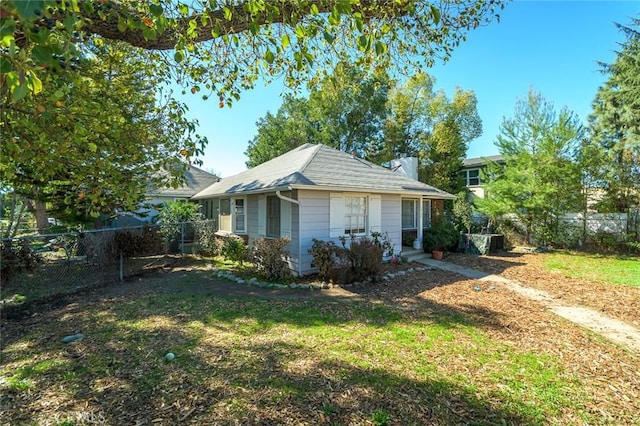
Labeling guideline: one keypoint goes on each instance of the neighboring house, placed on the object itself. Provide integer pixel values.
(471, 171)
(318, 192)
(195, 181)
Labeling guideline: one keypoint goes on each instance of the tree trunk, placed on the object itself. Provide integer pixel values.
(42, 219)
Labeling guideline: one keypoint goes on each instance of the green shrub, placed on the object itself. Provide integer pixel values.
(441, 238)
(15, 258)
(206, 242)
(270, 258)
(234, 249)
(324, 257)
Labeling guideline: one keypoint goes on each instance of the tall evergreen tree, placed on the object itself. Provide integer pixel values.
(541, 178)
(615, 127)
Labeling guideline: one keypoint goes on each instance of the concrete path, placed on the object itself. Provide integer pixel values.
(612, 329)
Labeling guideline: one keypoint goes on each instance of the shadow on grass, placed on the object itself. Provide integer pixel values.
(245, 355)
(226, 372)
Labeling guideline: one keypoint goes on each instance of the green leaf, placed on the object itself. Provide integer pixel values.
(29, 8)
(155, 9)
(381, 48)
(179, 56)
(42, 54)
(435, 13)
(314, 9)
(183, 8)
(93, 147)
(268, 56)
(328, 37)
(19, 92)
(285, 41)
(35, 84)
(227, 13)
(7, 26)
(122, 24)
(5, 65)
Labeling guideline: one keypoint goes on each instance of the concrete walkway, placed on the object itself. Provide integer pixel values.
(612, 329)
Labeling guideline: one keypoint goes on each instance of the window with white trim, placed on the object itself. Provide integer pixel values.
(273, 216)
(232, 215)
(240, 216)
(355, 215)
(409, 214)
(472, 177)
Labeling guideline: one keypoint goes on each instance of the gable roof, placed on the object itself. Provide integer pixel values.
(481, 161)
(196, 180)
(319, 167)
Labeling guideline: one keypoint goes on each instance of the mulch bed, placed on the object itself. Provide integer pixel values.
(617, 301)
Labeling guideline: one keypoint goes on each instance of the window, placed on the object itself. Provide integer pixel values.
(239, 216)
(232, 220)
(472, 177)
(409, 211)
(355, 215)
(426, 213)
(273, 217)
(225, 215)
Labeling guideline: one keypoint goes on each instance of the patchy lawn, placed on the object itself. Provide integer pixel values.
(425, 349)
(623, 270)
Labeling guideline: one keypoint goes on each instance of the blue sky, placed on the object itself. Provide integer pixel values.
(551, 46)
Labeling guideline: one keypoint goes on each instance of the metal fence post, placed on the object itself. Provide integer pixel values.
(182, 239)
(121, 267)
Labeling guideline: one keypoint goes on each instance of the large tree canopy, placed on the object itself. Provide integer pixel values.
(378, 119)
(99, 137)
(428, 125)
(615, 127)
(346, 111)
(224, 46)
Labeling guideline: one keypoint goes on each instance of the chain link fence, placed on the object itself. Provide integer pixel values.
(40, 266)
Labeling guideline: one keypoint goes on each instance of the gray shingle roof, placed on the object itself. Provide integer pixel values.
(481, 161)
(196, 181)
(319, 167)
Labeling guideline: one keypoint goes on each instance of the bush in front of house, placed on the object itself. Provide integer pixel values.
(324, 257)
(361, 260)
(270, 258)
(207, 243)
(234, 249)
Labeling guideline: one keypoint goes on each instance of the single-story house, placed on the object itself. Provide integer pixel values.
(318, 192)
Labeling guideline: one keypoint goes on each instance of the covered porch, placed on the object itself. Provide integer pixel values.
(417, 215)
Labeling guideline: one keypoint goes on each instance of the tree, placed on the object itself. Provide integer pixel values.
(428, 125)
(226, 45)
(346, 111)
(541, 179)
(614, 127)
(99, 137)
(289, 128)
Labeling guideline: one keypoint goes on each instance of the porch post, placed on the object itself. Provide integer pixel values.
(420, 224)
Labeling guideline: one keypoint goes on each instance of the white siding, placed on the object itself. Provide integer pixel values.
(392, 219)
(262, 215)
